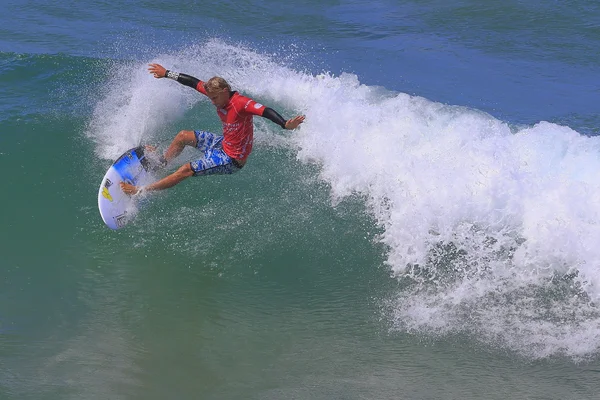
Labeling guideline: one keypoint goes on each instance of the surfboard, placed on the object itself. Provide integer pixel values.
(116, 208)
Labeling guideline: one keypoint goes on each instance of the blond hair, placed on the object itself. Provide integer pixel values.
(216, 84)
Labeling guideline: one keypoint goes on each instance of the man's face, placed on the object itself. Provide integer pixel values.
(219, 97)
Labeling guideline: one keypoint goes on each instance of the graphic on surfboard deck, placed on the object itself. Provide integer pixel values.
(116, 208)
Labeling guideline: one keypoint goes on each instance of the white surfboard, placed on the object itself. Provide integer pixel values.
(116, 208)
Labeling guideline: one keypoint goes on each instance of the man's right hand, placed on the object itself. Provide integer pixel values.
(157, 70)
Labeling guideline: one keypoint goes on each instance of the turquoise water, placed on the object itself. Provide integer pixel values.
(429, 233)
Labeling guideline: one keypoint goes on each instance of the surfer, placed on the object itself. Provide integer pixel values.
(223, 154)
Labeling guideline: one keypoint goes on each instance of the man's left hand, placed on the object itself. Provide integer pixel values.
(293, 123)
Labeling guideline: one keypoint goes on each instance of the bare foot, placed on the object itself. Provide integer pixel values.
(128, 188)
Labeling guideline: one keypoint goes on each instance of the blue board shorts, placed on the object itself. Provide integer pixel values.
(215, 161)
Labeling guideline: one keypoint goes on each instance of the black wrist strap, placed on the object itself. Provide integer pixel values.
(172, 75)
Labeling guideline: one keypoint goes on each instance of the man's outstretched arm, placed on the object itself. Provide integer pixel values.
(274, 116)
(161, 72)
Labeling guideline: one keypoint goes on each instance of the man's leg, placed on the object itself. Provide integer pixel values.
(182, 139)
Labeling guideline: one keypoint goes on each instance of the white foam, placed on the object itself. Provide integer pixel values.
(134, 108)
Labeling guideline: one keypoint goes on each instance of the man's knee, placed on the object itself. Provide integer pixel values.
(185, 170)
(187, 138)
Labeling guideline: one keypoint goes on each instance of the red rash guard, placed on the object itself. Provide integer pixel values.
(238, 129)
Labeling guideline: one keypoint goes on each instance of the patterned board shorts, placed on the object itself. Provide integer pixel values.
(215, 161)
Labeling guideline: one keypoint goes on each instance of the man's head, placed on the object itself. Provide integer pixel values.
(217, 90)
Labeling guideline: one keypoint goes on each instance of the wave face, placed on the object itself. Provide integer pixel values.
(490, 228)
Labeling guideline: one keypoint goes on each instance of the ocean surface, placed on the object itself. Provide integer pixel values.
(432, 231)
